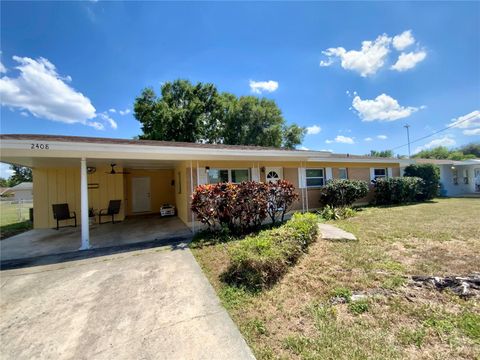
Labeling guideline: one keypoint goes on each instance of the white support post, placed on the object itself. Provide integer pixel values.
(191, 193)
(84, 205)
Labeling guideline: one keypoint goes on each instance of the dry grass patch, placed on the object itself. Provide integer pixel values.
(295, 320)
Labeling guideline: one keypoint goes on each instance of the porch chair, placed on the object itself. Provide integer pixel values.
(62, 212)
(113, 209)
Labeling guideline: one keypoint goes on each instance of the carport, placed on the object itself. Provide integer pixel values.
(42, 242)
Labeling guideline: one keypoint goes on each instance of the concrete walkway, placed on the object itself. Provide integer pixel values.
(330, 232)
(146, 304)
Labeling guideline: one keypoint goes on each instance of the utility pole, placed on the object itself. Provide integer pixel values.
(408, 138)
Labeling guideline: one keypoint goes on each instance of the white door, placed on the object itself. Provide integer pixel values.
(141, 194)
(273, 174)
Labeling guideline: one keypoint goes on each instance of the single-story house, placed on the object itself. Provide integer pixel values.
(22, 191)
(146, 174)
(460, 177)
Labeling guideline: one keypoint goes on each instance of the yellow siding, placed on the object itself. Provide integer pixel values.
(62, 185)
(181, 196)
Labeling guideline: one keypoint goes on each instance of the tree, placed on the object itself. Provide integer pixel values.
(469, 151)
(199, 113)
(20, 174)
(4, 182)
(439, 152)
(382, 153)
(430, 174)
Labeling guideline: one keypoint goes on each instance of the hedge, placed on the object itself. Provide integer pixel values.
(343, 192)
(430, 174)
(257, 262)
(397, 190)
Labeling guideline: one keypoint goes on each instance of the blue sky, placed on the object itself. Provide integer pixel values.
(66, 64)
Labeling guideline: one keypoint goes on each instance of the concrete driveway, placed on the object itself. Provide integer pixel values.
(147, 304)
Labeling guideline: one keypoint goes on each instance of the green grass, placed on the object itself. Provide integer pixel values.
(13, 213)
(294, 319)
(7, 231)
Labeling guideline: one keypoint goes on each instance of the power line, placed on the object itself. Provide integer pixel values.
(436, 132)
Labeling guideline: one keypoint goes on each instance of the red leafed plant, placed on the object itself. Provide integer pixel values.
(241, 206)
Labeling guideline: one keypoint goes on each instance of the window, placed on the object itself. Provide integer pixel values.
(342, 173)
(379, 173)
(228, 175)
(315, 177)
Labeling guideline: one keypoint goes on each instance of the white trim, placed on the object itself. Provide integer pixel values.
(202, 176)
(323, 177)
(84, 205)
(328, 174)
(255, 174)
(389, 172)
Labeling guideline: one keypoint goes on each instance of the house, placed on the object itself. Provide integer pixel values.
(457, 178)
(88, 172)
(22, 191)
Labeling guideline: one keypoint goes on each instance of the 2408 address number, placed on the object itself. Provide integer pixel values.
(38, 146)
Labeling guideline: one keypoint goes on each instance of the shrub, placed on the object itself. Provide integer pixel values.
(358, 307)
(281, 195)
(259, 261)
(430, 174)
(397, 190)
(331, 213)
(343, 192)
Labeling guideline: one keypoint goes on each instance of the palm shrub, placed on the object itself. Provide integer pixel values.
(343, 192)
(397, 190)
(430, 174)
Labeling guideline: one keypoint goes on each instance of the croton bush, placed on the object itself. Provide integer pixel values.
(242, 206)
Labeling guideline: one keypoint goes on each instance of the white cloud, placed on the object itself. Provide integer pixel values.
(303, 148)
(382, 108)
(96, 125)
(365, 61)
(5, 171)
(258, 87)
(341, 139)
(445, 141)
(3, 69)
(467, 121)
(327, 150)
(24, 113)
(314, 129)
(409, 61)
(368, 139)
(471, 132)
(107, 119)
(43, 92)
(112, 110)
(403, 40)
(382, 137)
(124, 112)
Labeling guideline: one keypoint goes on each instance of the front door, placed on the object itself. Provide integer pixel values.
(141, 194)
(273, 174)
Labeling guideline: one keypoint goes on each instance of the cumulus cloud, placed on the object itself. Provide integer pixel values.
(341, 139)
(444, 141)
(403, 40)
(41, 91)
(3, 69)
(368, 139)
(408, 61)
(382, 137)
(469, 122)
(124, 112)
(113, 111)
(382, 108)
(108, 120)
(365, 61)
(258, 87)
(303, 148)
(373, 55)
(314, 129)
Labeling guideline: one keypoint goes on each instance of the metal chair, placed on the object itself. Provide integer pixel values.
(113, 209)
(61, 212)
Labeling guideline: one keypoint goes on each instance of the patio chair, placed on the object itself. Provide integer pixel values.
(62, 212)
(113, 209)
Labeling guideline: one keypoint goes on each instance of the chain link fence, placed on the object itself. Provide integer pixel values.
(12, 212)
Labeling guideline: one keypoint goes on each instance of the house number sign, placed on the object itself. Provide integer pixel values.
(39, 146)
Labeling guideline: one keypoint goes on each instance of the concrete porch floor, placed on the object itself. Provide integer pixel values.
(40, 242)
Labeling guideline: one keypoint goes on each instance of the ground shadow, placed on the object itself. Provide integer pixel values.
(174, 243)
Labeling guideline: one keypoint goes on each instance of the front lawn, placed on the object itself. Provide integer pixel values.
(296, 320)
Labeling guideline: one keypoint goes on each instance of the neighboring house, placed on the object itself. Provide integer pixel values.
(457, 177)
(22, 191)
(4, 191)
(148, 174)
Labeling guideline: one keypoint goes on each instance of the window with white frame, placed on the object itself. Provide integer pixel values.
(342, 173)
(228, 175)
(315, 177)
(379, 173)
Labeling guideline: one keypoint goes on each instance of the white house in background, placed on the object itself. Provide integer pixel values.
(22, 191)
(457, 177)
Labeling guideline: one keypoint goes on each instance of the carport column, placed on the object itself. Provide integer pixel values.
(84, 205)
